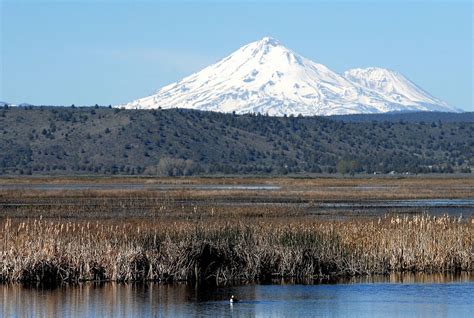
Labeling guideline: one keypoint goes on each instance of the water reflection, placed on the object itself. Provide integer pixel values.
(396, 295)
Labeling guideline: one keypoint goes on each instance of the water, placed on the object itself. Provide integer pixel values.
(403, 203)
(428, 297)
(434, 207)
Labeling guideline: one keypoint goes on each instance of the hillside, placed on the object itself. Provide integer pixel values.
(427, 117)
(105, 141)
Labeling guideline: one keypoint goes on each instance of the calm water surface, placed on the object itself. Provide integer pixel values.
(412, 296)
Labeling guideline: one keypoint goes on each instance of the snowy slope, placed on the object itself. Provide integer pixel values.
(396, 89)
(266, 77)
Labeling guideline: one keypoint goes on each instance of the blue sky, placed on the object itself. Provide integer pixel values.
(110, 52)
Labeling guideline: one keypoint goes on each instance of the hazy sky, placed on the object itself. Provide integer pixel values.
(110, 52)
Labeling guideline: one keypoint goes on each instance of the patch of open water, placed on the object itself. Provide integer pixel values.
(428, 296)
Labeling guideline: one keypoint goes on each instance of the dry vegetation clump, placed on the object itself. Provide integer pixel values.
(226, 249)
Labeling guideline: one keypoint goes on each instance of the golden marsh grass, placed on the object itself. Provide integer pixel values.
(223, 235)
(222, 250)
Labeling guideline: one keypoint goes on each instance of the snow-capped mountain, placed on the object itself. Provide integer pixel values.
(265, 77)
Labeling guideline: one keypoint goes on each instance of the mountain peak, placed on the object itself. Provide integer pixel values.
(394, 86)
(262, 47)
(269, 41)
(266, 77)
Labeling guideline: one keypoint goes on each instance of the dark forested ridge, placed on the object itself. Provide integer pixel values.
(467, 117)
(105, 141)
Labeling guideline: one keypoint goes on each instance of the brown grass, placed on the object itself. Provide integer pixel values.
(224, 249)
(289, 200)
(290, 188)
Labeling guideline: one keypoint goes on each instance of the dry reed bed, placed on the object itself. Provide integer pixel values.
(328, 180)
(98, 204)
(315, 190)
(222, 249)
(307, 188)
(158, 206)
